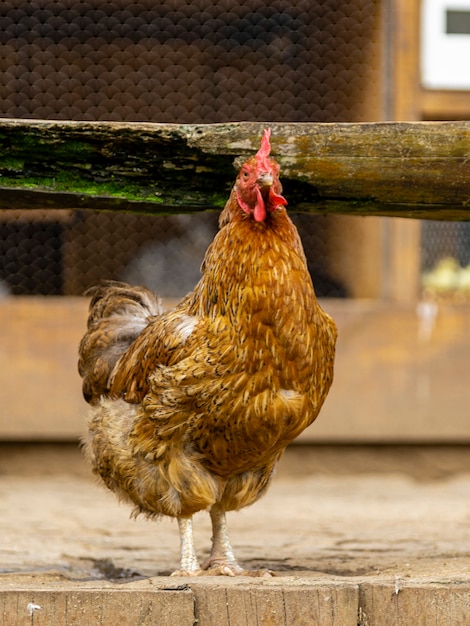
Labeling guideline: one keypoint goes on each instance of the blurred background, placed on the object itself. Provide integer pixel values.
(399, 289)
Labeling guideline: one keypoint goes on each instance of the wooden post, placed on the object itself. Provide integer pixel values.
(404, 236)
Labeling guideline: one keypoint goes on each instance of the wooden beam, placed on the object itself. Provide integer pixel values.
(441, 104)
(419, 170)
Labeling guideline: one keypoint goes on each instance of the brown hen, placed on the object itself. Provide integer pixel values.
(193, 408)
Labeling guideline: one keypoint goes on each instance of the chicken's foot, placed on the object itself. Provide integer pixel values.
(222, 560)
(189, 561)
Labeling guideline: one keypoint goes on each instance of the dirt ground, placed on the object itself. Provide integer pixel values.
(331, 514)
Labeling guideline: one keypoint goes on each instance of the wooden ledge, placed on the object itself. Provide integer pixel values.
(419, 169)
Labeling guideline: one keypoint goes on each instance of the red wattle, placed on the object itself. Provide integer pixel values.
(275, 199)
(259, 212)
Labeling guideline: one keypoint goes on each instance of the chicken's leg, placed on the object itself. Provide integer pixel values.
(222, 560)
(189, 562)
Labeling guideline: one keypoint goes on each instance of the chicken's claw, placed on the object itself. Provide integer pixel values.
(221, 567)
(233, 569)
(187, 572)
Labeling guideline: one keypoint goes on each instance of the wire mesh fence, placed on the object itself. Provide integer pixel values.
(180, 61)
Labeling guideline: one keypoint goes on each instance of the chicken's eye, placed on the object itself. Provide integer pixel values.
(245, 174)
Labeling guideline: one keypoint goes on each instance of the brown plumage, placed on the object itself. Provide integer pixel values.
(193, 408)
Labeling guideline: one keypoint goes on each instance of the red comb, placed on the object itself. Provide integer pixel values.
(263, 153)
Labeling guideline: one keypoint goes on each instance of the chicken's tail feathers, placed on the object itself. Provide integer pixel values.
(118, 313)
(112, 298)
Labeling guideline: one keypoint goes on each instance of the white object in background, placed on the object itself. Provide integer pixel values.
(445, 44)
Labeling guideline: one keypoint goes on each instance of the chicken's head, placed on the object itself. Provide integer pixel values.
(257, 187)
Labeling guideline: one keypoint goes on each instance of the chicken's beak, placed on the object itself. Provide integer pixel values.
(265, 179)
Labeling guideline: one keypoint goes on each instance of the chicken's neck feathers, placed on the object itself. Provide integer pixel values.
(251, 265)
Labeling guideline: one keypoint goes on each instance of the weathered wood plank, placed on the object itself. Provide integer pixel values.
(369, 603)
(419, 603)
(419, 169)
(69, 605)
(275, 603)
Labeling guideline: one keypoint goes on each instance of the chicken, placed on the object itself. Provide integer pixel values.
(191, 409)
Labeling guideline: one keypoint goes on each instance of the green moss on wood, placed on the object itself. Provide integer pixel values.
(73, 184)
